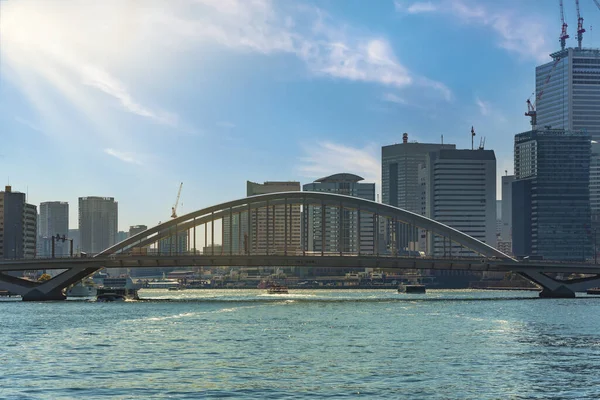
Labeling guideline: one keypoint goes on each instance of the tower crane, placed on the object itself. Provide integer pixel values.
(563, 35)
(174, 208)
(531, 107)
(580, 28)
(597, 3)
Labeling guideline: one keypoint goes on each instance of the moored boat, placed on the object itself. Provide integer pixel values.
(277, 289)
(402, 288)
(82, 289)
(595, 290)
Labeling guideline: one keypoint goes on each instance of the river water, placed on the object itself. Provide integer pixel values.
(307, 344)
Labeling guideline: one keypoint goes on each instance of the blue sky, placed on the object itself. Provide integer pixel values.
(126, 98)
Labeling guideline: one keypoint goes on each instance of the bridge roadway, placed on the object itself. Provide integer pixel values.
(78, 268)
(331, 261)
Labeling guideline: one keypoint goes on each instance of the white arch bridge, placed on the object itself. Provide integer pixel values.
(300, 229)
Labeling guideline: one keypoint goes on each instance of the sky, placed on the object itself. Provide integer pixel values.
(128, 98)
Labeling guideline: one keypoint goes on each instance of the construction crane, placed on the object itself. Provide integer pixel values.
(531, 107)
(580, 28)
(174, 208)
(563, 35)
(597, 4)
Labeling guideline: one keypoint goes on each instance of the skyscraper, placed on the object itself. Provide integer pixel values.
(98, 221)
(400, 172)
(461, 193)
(550, 195)
(268, 233)
(568, 91)
(54, 220)
(18, 225)
(345, 223)
(135, 229)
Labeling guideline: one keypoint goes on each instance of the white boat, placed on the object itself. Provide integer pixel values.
(82, 289)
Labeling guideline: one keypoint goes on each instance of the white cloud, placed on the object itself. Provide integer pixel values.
(326, 158)
(416, 8)
(484, 106)
(327, 47)
(392, 98)
(521, 33)
(123, 156)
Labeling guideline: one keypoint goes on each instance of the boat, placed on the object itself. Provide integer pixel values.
(82, 289)
(117, 289)
(108, 297)
(595, 290)
(277, 289)
(405, 288)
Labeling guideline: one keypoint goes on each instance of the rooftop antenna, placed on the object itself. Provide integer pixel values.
(563, 34)
(580, 28)
(472, 136)
(442, 140)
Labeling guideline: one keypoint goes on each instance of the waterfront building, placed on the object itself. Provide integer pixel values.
(98, 221)
(135, 229)
(400, 172)
(506, 216)
(570, 87)
(18, 225)
(74, 235)
(176, 243)
(550, 194)
(336, 223)
(460, 190)
(268, 233)
(53, 220)
(122, 235)
(595, 184)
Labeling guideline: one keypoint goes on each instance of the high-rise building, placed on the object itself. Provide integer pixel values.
(595, 185)
(570, 91)
(53, 220)
(341, 229)
(268, 233)
(505, 238)
(98, 221)
(122, 235)
(135, 229)
(461, 193)
(400, 172)
(176, 243)
(18, 225)
(74, 235)
(550, 195)
(506, 216)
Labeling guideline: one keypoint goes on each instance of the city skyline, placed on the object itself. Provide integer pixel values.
(305, 91)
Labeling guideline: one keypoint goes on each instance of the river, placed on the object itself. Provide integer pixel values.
(308, 344)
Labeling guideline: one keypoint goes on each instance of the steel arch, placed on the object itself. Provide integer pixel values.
(218, 211)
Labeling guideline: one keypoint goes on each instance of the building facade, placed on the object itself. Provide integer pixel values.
(461, 193)
(54, 220)
(342, 230)
(400, 172)
(98, 222)
(550, 195)
(135, 229)
(18, 225)
(268, 234)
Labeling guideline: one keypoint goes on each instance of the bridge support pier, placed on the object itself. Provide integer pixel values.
(561, 289)
(50, 290)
